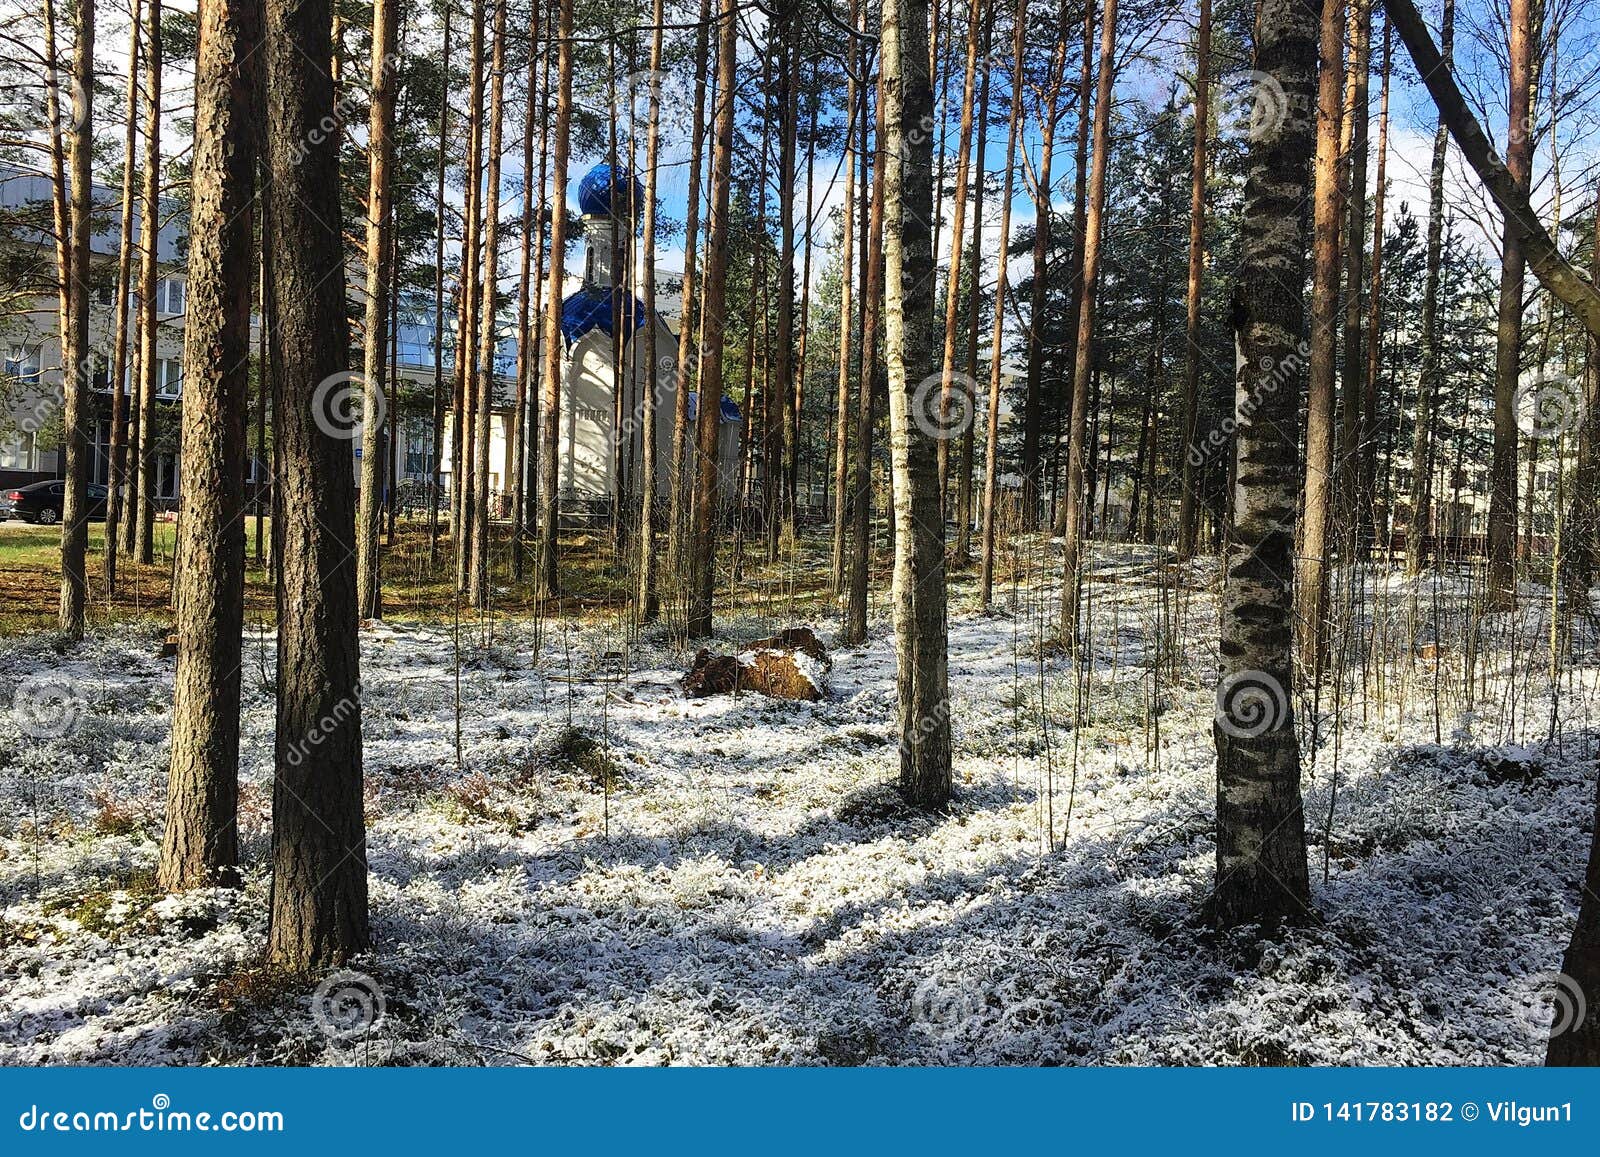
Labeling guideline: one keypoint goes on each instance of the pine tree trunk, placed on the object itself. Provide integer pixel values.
(991, 463)
(969, 437)
(841, 437)
(1188, 506)
(1421, 524)
(142, 523)
(528, 268)
(1508, 338)
(488, 302)
(435, 473)
(380, 216)
(855, 618)
(1080, 218)
(680, 502)
(1358, 432)
(462, 505)
(645, 594)
(318, 914)
(199, 842)
(77, 364)
(1311, 577)
(919, 580)
(1083, 361)
(1261, 851)
(1374, 320)
(117, 485)
(550, 413)
(702, 557)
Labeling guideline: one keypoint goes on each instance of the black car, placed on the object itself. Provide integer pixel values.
(41, 502)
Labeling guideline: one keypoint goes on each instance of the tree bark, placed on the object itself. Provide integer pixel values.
(1421, 524)
(964, 496)
(142, 523)
(550, 414)
(1371, 532)
(199, 842)
(435, 473)
(117, 486)
(1083, 361)
(1188, 506)
(991, 466)
(702, 559)
(841, 437)
(318, 914)
(380, 217)
(1262, 877)
(919, 580)
(1311, 577)
(77, 367)
(645, 595)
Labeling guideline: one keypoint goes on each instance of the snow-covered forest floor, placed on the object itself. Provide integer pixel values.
(749, 891)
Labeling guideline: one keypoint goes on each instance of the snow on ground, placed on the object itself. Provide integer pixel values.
(748, 891)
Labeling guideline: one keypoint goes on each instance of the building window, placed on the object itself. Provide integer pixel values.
(169, 296)
(16, 451)
(169, 377)
(104, 295)
(22, 363)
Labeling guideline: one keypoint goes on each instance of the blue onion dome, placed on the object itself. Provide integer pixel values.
(590, 309)
(730, 408)
(605, 192)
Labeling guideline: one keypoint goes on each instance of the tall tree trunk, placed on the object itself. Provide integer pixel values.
(435, 471)
(680, 503)
(919, 580)
(380, 218)
(1031, 417)
(841, 437)
(489, 302)
(142, 522)
(1374, 319)
(199, 842)
(1584, 522)
(964, 496)
(462, 480)
(646, 592)
(117, 486)
(855, 618)
(1261, 849)
(783, 49)
(1508, 339)
(702, 557)
(1188, 506)
(318, 914)
(991, 462)
(1083, 361)
(952, 287)
(550, 413)
(1421, 524)
(1311, 577)
(527, 273)
(1358, 432)
(77, 367)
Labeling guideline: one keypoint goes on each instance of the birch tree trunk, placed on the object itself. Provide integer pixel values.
(199, 842)
(1261, 851)
(318, 914)
(380, 216)
(919, 579)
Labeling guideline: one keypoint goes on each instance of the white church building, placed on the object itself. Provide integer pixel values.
(598, 419)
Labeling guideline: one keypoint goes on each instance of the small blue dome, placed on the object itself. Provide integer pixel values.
(604, 193)
(730, 408)
(592, 309)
